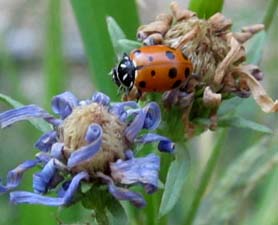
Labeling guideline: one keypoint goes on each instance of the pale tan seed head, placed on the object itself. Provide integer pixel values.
(74, 128)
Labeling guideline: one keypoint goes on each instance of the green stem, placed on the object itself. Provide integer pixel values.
(269, 14)
(206, 176)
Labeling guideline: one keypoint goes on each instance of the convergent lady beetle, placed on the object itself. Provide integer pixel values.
(154, 68)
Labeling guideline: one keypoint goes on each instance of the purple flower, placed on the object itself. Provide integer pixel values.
(90, 142)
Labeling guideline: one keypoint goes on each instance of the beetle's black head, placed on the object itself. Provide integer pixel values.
(124, 73)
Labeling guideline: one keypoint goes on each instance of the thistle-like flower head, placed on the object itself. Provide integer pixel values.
(92, 141)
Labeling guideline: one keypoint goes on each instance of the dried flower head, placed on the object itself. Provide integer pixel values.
(90, 142)
(218, 58)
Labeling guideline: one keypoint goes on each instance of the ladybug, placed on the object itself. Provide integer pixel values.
(156, 68)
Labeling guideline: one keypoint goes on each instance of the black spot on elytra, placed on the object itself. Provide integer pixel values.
(170, 55)
(176, 84)
(142, 84)
(137, 52)
(153, 73)
(186, 72)
(150, 58)
(172, 72)
(154, 90)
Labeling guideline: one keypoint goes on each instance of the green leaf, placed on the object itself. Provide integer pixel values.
(229, 105)
(241, 122)
(54, 66)
(233, 184)
(108, 210)
(118, 214)
(120, 44)
(39, 124)
(175, 180)
(205, 8)
(116, 33)
(91, 18)
(255, 48)
(126, 45)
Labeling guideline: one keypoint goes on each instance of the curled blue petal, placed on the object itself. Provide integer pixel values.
(63, 189)
(17, 197)
(165, 144)
(142, 170)
(101, 98)
(136, 126)
(64, 103)
(94, 137)
(123, 193)
(24, 113)
(57, 150)
(119, 109)
(42, 179)
(129, 154)
(153, 116)
(46, 141)
(43, 157)
(14, 176)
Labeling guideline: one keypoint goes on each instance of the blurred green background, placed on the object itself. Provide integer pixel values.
(42, 54)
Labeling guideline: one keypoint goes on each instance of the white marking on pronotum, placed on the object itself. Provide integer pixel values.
(125, 76)
(123, 66)
(131, 84)
(126, 57)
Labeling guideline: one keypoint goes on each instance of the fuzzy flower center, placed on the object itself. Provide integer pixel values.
(73, 131)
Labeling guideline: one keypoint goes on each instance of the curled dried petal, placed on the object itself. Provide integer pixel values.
(180, 13)
(257, 90)
(160, 25)
(227, 61)
(219, 22)
(210, 98)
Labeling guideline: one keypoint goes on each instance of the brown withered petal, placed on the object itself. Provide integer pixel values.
(257, 90)
(219, 22)
(179, 13)
(211, 99)
(153, 39)
(253, 29)
(160, 25)
(227, 61)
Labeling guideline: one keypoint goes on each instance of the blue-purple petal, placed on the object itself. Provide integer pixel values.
(57, 150)
(32, 198)
(14, 176)
(24, 113)
(129, 154)
(153, 116)
(143, 170)
(101, 98)
(46, 141)
(64, 103)
(94, 136)
(119, 109)
(42, 179)
(123, 193)
(165, 144)
(135, 127)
